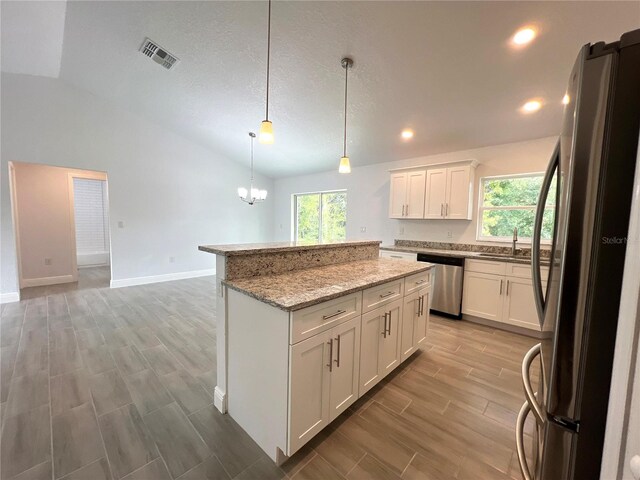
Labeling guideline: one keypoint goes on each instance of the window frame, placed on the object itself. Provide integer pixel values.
(294, 212)
(482, 208)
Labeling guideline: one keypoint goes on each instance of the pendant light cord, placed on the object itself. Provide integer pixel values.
(268, 59)
(346, 83)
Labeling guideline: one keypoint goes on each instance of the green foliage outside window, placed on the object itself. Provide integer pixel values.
(508, 203)
(321, 217)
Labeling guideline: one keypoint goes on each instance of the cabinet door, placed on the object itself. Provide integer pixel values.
(371, 332)
(483, 295)
(519, 306)
(410, 311)
(435, 194)
(390, 343)
(346, 363)
(397, 195)
(309, 389)
(458, 193)
(421, 325)
(415, 195)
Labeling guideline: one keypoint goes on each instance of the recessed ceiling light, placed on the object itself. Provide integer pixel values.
(532, 106)
(566, 99)
(524, 36)
(407, 133)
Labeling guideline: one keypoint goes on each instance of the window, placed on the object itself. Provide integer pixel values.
(320, 217)
(509, 202)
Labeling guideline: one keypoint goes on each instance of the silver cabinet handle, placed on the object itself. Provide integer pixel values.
(389, 331)
(330, 364)
(388, 294)
(442, 209)
(522, 456)
(338, 356)
(395, 256)
(500, 287)
(422, 305)
(526, 383)
(420, 282)
(339, 312)
(384, 331)
(507, 288)
(406, 212)
(403, 210)
(446, 209)
(418, 312)
(419, 305)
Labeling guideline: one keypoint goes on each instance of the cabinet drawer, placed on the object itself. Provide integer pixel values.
(318, 318)
(375, 297)
(413, 257)
(417, 281)
(485, 266)
(523, 270)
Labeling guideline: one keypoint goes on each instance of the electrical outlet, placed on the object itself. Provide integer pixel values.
(47, 261)
(172, 259)
(363, 229)
(120, 224)
(449, 234)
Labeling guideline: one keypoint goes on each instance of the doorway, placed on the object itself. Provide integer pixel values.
(61, 223)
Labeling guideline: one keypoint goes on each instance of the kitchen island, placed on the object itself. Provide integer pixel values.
(303, 342)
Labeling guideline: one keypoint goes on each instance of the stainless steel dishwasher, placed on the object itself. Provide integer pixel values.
(447, 287)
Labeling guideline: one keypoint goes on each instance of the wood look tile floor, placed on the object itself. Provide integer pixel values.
(117, 384)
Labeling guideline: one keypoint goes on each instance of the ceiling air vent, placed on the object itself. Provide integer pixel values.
(152, 50)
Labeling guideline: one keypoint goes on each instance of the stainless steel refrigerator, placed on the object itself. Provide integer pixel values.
(593, 166)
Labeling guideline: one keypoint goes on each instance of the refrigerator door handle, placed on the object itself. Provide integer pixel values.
(537, 231)
(526, 382)
(522, 456)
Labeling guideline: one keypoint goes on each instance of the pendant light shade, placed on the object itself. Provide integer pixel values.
(266, 127)
(266, 132)
(345, 166)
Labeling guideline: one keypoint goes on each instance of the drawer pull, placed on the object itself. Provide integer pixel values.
(339, 312)
(395, 256)
(388, 294)
(420, 282)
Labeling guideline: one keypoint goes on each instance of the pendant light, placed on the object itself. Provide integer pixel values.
(345, 166)
(266, 127)
(252, 195)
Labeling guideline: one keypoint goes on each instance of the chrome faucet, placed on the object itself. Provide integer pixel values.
(515, 241)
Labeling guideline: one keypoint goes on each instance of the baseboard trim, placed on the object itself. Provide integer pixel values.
(167, 277)
(220, 400)
(39, 282)
(503, 326)
(9, 297)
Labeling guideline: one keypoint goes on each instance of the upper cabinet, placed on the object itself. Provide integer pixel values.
(433, 192)
(407, 194)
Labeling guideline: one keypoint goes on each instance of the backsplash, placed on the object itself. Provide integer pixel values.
(468, 247)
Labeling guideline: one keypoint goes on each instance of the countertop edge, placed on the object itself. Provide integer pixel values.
(324, 298)
(284, 248)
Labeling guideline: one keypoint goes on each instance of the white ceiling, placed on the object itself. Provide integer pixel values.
(444, 69)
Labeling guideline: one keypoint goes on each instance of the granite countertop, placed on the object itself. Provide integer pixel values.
(303, 288)
(254, 248)
(463, 254)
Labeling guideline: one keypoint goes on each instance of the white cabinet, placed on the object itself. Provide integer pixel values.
(324, 380)
(406, 198)
(433, 192)
(449, 193)
(415, 321)
(379, 344)
(410, 257)
(508, 298)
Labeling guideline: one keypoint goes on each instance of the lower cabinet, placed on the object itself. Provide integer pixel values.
(415, 321)
(501, 298)
(379, 343)
(324, 380)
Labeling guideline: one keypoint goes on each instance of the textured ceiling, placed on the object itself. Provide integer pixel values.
(32, 33)
(444, 69)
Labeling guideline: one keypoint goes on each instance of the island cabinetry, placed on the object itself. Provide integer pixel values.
(415, 321)
(324, 380)
(380, 343)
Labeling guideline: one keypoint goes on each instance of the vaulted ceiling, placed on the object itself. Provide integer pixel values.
(444, 69)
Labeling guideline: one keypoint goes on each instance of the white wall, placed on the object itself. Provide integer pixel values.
(368, 192)
(170, 193)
